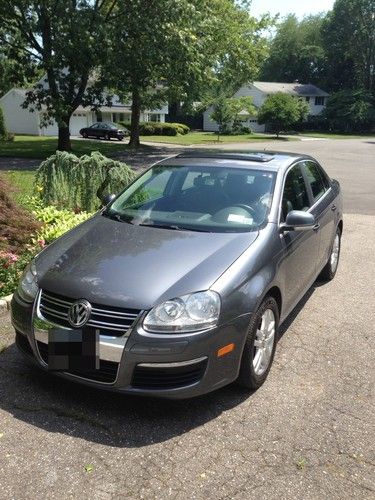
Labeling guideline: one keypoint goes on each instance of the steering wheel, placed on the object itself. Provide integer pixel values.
(249, 209)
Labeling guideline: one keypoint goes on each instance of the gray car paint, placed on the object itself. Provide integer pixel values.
(114, 263)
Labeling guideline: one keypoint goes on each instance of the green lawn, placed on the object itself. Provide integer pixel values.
(209, 138)
(25, 146)
(328, 135)
(22, 181)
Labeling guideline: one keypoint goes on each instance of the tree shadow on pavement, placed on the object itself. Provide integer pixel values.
(111, 419)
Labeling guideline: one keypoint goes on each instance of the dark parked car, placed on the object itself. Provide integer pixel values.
(179, 285)
(105, 130)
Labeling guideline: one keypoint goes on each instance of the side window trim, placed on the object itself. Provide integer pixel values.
(314, 202)
(311, 201)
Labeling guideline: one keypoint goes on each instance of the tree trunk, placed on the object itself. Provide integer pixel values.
(136, 115)
(64, 143)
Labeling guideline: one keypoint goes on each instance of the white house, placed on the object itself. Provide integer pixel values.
(259, 91)
(22, 121)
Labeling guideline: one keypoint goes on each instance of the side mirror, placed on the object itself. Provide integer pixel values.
(106, 200)
(298, 220)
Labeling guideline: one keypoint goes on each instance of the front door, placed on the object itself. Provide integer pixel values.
(300, 248)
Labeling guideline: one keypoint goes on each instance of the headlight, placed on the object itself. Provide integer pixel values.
(188, 313)
(28, 286)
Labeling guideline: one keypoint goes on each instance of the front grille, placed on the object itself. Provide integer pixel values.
(107, 371)
(23, 343)
(149, 377)
(109, 320)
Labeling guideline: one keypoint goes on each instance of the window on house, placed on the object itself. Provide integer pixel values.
(319, 101)
(154, 117)
(118, 117)
(307, 99)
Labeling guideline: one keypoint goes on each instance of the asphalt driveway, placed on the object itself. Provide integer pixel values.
(308, 433)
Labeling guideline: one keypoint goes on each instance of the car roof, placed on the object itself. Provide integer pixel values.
(262, 160)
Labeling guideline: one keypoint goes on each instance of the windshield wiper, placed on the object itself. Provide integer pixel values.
(114, 216)
(174, 227)
(163, 226)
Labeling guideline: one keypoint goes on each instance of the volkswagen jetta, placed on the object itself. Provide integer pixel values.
(179, 284)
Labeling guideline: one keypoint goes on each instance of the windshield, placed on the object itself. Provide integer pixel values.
(197, 198)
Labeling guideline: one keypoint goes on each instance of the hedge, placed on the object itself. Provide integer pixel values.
(159, 128)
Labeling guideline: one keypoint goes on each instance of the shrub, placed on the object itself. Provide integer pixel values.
(159, 128)
(4, 135)
(16, 224)
(53, 224)
(11, 268)
(56, 223)
(78, 184)
(182, 128)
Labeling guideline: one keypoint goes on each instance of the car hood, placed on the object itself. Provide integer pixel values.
(124, 265)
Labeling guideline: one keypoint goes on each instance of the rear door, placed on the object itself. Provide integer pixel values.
(300, 248)
(322, 208)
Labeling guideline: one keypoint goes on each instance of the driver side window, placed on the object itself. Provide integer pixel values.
(295, 196)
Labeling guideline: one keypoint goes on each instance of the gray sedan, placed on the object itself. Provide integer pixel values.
(178, 286)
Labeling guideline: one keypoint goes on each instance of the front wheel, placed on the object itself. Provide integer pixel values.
(329, 270)
(260, 345)
(107, 138)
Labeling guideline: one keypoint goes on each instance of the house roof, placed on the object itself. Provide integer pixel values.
(301, 89)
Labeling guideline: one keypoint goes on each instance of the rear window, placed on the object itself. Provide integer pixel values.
(317, 180)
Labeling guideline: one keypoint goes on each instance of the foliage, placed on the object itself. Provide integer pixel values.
(213, 40)
(349, 42)
(11, 268)
(16, 224)
(5, 136)
(66, 41)
(296, 51)
(348, 111)
(281, 111)
(66, 181)
(227, 112)
(159, 128)
(55, 222)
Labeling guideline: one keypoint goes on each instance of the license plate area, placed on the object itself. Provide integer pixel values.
(73, 350)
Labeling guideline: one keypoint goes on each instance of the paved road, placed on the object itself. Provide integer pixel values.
(308, 433)
(351, 161)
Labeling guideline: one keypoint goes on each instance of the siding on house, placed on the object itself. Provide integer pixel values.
(18, 120)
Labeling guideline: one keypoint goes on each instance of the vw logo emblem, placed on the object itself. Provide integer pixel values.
(79, 313)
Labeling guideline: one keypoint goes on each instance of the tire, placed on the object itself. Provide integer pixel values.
(107, 138)
(253, 373)
(84, 135)
(330, 269)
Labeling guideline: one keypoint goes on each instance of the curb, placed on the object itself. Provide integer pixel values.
(5, 304)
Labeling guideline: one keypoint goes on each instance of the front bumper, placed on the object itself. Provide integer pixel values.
(173, 366)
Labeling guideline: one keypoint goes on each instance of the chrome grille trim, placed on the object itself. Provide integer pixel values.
(112, 319)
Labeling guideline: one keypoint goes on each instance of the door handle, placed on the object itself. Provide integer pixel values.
(316, 227)
(333, 208)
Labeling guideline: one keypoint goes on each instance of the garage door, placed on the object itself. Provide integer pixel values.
(77, 121)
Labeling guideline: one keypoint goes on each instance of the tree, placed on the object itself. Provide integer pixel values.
(67, 41)
(282, 111)
(167, 49)
(349, 42)
(349, 110)
(3, 130)
(296, 51)
(226, 111)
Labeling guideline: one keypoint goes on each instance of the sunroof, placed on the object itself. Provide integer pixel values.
(260, 157)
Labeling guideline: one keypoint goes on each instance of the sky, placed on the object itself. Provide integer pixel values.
(298, 7)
